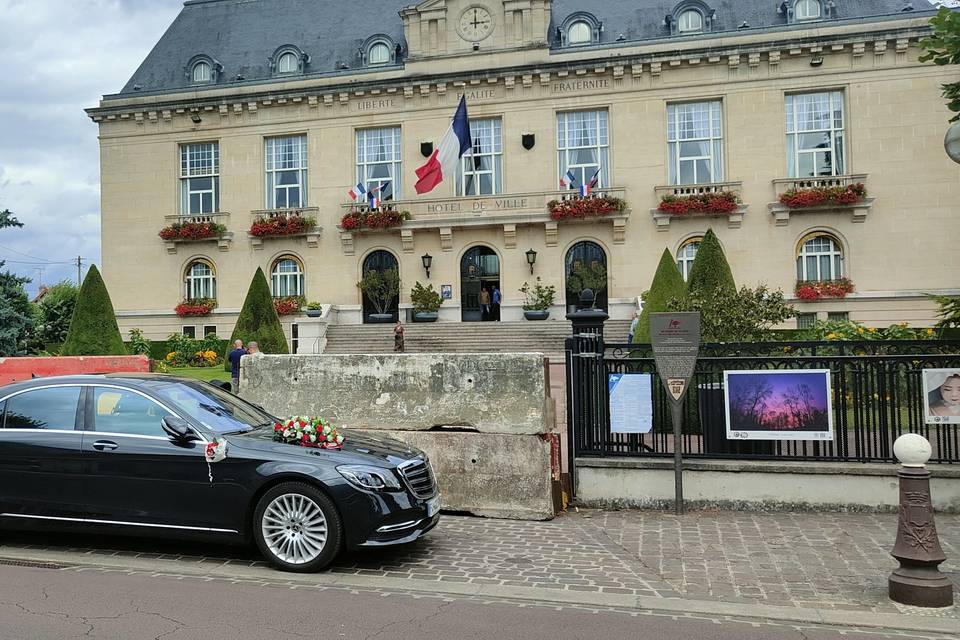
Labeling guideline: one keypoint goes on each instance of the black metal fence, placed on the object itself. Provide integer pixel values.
(876, 386)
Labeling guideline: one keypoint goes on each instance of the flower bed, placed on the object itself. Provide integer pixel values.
(288, 305)
(195, 308)
(590, 207)
(308, 432)
(379, 219)
(815, 290)
(192, 231)
(281, 226)
(822, 196)
(721, 202)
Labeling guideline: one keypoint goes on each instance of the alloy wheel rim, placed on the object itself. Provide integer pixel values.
(294, 528)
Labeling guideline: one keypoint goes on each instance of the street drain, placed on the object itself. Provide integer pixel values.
(33, 564)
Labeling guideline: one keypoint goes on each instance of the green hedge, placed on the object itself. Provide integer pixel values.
(160, 348)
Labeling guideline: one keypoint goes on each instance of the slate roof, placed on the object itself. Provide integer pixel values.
(242, 35)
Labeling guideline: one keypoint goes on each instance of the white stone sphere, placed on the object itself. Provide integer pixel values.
(912, 450)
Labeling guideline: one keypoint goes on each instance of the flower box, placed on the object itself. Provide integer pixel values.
(585, 207)
(373, 219)
(824, 196)
(288, 305)
(281, 226)
(719, 202)
(195, 308)
(811, 291)
(192, 231)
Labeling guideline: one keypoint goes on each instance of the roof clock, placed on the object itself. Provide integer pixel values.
(476, 23)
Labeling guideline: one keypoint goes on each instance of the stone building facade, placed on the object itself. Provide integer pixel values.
(252, 110)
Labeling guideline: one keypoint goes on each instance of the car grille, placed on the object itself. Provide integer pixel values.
(419, 478)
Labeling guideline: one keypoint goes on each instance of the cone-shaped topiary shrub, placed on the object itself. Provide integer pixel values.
(710, 271)
(93, 327)
(258, 321)
(667, 284)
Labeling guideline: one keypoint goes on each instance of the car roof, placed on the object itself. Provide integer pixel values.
(131, 379)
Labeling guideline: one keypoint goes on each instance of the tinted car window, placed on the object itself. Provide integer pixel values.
(50, 408)
(126, 412)
(214, 408)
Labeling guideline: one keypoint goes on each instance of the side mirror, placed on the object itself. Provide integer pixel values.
(178, 429)
(220, 384)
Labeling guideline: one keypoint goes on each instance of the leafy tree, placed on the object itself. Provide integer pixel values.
(7, 219)
(258, 321)
(93, 328)
(943, 48)
(747, 315)
(381, 288)
(948, 312)
(54, 312)
(667, 285)
(710, 270)
(591, 276)
(16, 316)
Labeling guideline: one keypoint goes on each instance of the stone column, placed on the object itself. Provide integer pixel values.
(917, 581)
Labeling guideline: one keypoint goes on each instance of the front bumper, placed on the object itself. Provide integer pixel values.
(401, 533)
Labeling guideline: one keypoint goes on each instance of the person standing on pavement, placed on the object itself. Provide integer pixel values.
(234, 358)
(497, 297)
(633, 327)
(398, 332)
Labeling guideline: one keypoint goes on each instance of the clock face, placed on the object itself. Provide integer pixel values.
(476, 23)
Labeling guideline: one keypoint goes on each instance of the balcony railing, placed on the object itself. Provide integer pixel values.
(663, 219)
(312, 236)
(782, 185)
(220, 217)
(857, 210)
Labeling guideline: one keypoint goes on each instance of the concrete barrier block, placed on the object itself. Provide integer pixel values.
(16, 369)
(496, 476)
(489, 393)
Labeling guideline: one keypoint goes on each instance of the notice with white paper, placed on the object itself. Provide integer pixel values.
(631, 402)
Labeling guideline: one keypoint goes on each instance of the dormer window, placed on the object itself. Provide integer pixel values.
(287, 63)
(579, 33)
(807, 10)
(690, 21)
(379, 50)
(202, 72)
(379, 54)
(288, 60)
(202, 69)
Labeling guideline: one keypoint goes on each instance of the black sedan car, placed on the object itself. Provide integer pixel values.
(128, 454)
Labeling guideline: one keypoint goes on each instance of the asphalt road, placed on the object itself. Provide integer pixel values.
(54, 604)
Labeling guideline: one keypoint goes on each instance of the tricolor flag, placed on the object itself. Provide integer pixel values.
(585, 189)
(566, 182)
(373, 197)
(357, 192)
(443, 163)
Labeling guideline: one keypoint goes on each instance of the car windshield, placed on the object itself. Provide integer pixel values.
(214, 408)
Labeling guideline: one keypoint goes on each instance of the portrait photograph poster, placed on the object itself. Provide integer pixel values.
(941, 396)
(778, 405)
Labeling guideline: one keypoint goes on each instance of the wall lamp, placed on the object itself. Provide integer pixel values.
(196, 118)
(427, 261)
(531, 259)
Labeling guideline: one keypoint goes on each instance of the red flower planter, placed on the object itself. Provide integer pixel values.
(288, 306)
(379, 219)
(192, 231)
(580, 208)
(281, 226)
(195, 308)
(823, 196)
(723, 203)
(812, 291)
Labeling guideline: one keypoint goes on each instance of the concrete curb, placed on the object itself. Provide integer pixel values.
(679, 606)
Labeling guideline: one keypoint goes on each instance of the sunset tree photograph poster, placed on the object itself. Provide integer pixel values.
(778, 405)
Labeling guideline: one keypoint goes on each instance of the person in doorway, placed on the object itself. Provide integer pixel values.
(398, 331)
(234, 358)
(634, 321)
(484, 304)
(497, 298)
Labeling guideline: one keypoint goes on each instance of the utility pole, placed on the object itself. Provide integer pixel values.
(79, 259)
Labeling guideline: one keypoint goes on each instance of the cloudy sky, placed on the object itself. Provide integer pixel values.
(58, 57)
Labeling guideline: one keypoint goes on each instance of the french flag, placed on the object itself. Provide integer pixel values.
(374, 198)
(357, 192)
(443, 163)
(586, 189)
(566, 182)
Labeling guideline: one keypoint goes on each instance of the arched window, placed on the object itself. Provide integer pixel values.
(690, 21)
(200, 281)
(288, 63)
(385, 307)
(586, 268)
(379, 53)
(807, 10)
(202, 72)
(580, 32)
(286, 277)
(820, 259)
(686, 255)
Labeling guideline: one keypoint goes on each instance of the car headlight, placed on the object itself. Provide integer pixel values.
(370, 478)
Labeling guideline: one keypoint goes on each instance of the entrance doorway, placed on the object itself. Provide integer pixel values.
(479, 273)
(380, 261)
(586, 266)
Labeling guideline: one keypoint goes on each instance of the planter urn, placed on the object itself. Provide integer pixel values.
(536, 315)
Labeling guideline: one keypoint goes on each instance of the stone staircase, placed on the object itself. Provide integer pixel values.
(469, 337)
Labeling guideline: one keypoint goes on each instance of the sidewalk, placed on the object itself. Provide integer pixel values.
(815, 567)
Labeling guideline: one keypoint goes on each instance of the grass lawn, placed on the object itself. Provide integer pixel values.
(202, 373)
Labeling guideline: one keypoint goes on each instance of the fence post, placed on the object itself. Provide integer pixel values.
(586, 382)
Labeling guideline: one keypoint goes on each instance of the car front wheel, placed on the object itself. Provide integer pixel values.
(297, 527)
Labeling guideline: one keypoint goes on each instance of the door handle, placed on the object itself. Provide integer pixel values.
(105, 445)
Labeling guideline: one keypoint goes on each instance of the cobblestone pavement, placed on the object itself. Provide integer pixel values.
(811, 561)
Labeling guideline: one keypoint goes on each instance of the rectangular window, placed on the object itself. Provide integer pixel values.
(806, 320)
(815, 134)
(199, 178)
(208, 329)
(294, 338)
(482, 173)
(583, 143)
(190, 331)
(379, 161)
(51, 408)
(838, 316)
(286, 166)
(695, 142)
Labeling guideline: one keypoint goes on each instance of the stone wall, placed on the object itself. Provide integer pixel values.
(478, 416)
